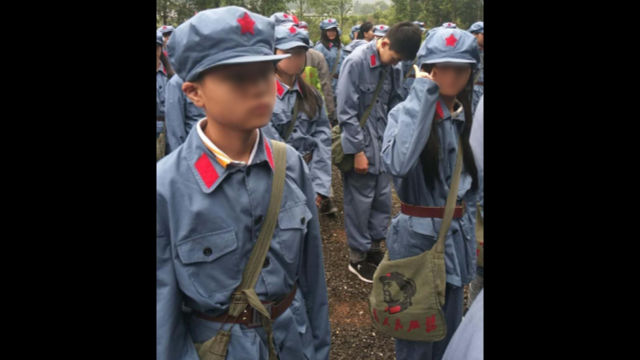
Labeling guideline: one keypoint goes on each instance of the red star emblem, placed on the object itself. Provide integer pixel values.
(285, 16)
(330, 21)
(246, 23)
(451, 40)
(381, 27)
(164, 27)
(292, 29)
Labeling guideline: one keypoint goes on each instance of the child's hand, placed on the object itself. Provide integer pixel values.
(421, 74)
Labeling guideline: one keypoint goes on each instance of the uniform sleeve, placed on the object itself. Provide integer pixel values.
(327, 90)
(172, 338)
(476, 140)
(320, 165)
(174, 115)
(408, 128)
(312, 281)
(348, 106)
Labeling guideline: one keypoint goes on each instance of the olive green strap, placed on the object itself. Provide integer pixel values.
(335, 63)
(364, 118)
(451, 201)
(292, 123)
(245, 293)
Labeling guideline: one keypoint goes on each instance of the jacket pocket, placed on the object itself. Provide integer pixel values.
(210, 260)
(291, 230)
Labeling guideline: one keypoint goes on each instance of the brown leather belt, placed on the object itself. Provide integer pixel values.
(159, 118)
(430, 211)
(479, 83)
(307, 157)
(250, 317)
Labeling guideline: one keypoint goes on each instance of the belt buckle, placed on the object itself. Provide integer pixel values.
(256, 320)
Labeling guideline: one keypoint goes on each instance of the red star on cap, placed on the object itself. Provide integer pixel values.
(381, 27)
(330, 20)
(451, 40)
(246, 24)
(292, 29)
(285, 16)
(164, 27)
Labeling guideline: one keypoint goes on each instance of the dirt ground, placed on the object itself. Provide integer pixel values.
(352, 333)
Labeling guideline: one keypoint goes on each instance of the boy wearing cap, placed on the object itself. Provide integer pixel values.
(424, 135)
(212, 198)
(367, 189)
(477, 29)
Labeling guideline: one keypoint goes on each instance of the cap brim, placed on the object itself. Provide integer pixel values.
(449, 60)
(291, 45)
(331, 27)
(240, 60)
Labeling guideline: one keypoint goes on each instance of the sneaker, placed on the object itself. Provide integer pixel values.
(374, 257)
(364, 270)
(327, 207)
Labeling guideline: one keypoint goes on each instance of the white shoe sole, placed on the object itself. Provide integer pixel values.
(358, 275)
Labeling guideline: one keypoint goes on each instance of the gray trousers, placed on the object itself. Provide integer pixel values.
(420, 350)
(367, 209)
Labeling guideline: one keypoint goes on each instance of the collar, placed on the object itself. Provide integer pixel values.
(443, 112)
(372, 55)
(206, 165)
(221, 157)
(282, 88)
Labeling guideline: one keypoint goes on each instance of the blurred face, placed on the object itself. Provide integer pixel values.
(332, 33)
(166, 37)
(368, 36)
(451, 78)
(388, 56)
(239, 97)
(480, 38)
(294, 64)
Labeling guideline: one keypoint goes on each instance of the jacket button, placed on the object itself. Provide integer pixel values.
(295, 130)
(207, 251)
(266, 262)
(258, 220)
(303, 220)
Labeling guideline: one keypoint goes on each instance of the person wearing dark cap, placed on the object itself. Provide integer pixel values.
(161, 84)
(477, 29)
(330, 46)
(238, 237)
(424, 137)
(309, 131)
(367, 189)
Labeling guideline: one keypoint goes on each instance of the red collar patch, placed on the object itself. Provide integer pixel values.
(451, 40)
(267, 150)
(206, 170)
(295, 19)
(246, 23)
(439, 110)
(279, 88)
(373, 60)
